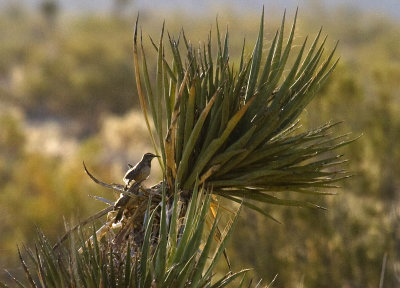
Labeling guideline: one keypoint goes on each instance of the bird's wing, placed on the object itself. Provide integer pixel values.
(130, 174)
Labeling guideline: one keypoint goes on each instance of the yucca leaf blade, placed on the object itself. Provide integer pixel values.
(198, 270)
(221, 247)
(216, 144)
(146, 249)
(188, 228)
(183, 165)
(228, 278)
(142, 99)
(255, 61)
(163, 240)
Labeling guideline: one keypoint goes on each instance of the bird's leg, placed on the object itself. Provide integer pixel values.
(126, 187)
(122, 202)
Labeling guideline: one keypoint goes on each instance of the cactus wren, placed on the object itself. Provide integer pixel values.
(138, 173)
(141, 170)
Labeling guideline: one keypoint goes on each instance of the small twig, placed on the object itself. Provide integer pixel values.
(108, 202)
(117, 187)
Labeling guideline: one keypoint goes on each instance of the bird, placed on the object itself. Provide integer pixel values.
(137, 173)
(140, 171)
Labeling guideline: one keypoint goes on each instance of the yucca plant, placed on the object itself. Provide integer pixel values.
(237, 129)
(230, 131)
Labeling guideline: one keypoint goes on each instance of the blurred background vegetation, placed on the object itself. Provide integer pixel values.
(67, 94)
